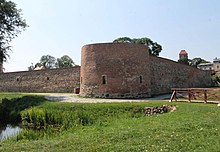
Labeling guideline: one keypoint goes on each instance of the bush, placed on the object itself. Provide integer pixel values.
(216, 80)
(10, 108)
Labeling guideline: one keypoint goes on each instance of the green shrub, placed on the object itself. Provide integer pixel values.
(216, 80)
(10, 108)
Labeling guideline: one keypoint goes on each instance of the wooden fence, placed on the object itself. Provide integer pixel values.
(201, 94)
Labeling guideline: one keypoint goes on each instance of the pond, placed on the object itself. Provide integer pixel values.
(8, 130)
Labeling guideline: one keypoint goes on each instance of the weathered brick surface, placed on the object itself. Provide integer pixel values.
(54, 80)
(121, 64)
(128, 69)
(167, 74)
(124, 65)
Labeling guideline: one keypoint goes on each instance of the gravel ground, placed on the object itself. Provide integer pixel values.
(69, 97)
(62, 97)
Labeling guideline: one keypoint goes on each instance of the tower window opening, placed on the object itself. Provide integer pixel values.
(141, 79)
(18, 79)
(104, 79)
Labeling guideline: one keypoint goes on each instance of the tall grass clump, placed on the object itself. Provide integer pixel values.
(57, 117)
(64, 115)
(10, 108)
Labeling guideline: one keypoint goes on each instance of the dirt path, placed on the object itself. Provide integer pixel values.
(69, 97)
(62, 97)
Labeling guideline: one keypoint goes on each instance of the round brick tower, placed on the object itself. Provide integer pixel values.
(115, 70)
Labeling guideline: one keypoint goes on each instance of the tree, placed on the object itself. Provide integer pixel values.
(11, 24)
(38, 64)
(31, 67)
(216, 80)
(184, 61)
(196, 61)
(64, 61)
(153, 47)
(48, 61)
(123, 40)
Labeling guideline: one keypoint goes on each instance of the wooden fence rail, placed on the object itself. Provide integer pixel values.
(202, 94)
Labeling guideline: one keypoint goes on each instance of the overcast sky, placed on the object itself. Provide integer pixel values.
(62, 27)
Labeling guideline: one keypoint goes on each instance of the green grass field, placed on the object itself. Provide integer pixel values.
(114, 127)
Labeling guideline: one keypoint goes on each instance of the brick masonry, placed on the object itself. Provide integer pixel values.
(110, 71)
(124, 66)
(53, 80)
(130, 72)
(167, 74)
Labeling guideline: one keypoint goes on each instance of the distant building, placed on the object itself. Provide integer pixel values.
(39, 68)
(215, 66)
(183, 54)
(183, 57)
(205, 66)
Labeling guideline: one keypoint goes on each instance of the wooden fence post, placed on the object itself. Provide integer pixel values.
(205, 96)
(189, 95)
(173, 96)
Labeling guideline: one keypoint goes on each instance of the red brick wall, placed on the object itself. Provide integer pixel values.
(124, 64)
(121, 64)
(128, 69)
(167, 74)
(53, 80)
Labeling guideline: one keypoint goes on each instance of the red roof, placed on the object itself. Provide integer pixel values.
(182, 52)
(39, 68)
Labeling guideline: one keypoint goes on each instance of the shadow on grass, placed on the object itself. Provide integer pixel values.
(10, 108)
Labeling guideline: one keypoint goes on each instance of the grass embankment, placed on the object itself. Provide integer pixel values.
(10, 95)
(117, 127)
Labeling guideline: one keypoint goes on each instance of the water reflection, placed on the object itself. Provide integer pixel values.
(8, 131)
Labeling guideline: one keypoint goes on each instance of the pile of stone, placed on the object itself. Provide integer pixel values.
(159, 109)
